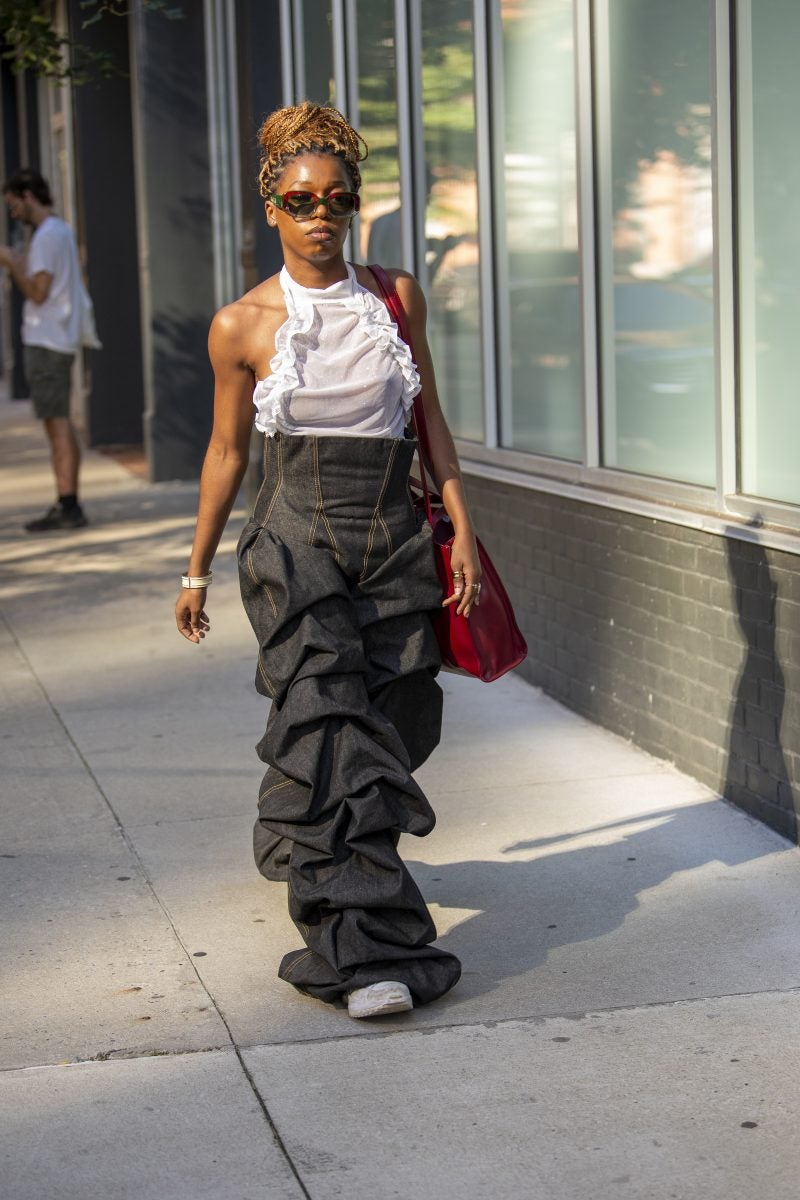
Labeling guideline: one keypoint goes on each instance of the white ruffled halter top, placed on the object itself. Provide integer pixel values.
(340, 366)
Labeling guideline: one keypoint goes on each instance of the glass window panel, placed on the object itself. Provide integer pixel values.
(315, 37)
(769, 247)
(538, 212)
(379, 221)
(657, 289)
(451, 215)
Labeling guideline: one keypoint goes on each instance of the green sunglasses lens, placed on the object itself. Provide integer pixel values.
(300, 204)
(343, 204)
(305, 204)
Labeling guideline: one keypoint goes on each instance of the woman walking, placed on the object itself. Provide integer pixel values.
(337, 577)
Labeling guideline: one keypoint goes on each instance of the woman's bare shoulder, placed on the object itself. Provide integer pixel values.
(243, 333)
(262, 304)
(411, 294)
(408, 288)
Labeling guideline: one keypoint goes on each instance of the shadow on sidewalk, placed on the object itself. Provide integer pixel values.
(131, 534)
(757, 776)
(573, 893)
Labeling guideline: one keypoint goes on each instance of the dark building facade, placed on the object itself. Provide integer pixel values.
(687, 642)
(155, 168)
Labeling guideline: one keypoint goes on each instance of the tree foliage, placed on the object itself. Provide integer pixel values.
(33, 43)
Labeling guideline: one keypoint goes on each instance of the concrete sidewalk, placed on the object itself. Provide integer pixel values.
(627, 1024)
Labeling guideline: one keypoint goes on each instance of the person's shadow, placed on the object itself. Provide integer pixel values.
(516, 913)
(574, 893)
(757, 776)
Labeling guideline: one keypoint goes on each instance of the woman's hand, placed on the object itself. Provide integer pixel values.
(190, 614)
(466, 568)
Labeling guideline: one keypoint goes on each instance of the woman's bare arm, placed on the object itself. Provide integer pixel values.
(225, 461)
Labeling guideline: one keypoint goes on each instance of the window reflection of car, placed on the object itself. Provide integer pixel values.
(663, 330)
(663, 365)
(664, 379)
(664, 339)
(546, 359)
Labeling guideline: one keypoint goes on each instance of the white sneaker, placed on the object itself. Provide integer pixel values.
(378, 999)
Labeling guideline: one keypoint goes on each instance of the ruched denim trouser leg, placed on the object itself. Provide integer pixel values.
(338, 580)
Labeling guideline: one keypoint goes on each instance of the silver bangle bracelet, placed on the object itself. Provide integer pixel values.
(196, 581)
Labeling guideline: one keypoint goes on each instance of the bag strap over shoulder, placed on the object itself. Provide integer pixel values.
(392, 301)
(490, 643)
(395, 306)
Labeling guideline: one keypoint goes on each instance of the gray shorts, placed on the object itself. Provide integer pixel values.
(49, 376)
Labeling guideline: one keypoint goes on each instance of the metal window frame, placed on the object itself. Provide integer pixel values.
(719, 508)
(298, 56)
(405, 135)
(340, 63)
(352, 100)
(736, 159)
(346, 82)
(587, 240)
(745, 222)
(481, 57)
(483, 172)
(417, 139)
(345, 69)
(224, 167)
(287, 52)
(599, 52)
(656, 508)
(723, 184)
(504, 397)
(501, 349)
(594, 482)
(348, 95)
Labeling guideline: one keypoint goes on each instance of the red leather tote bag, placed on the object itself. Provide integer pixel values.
(488, 642)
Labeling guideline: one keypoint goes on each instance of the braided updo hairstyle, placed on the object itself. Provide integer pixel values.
(302, 129)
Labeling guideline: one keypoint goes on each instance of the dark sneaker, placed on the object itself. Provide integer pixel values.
(58, 518)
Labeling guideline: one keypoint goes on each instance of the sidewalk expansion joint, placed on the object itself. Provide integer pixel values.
(115, 817)
(279, 1142)
(168, 916)
(128, 1054)
(124, 1054)
(529, 1019)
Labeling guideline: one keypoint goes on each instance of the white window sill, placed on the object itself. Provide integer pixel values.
(769, 525)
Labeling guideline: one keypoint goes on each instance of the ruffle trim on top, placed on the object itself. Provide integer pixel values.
(272, 395)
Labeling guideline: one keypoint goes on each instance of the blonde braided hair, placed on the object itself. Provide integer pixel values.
(307, 128)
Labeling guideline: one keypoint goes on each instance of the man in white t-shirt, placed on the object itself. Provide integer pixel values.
(49, 278)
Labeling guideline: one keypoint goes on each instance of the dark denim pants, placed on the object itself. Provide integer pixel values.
(338, 580)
